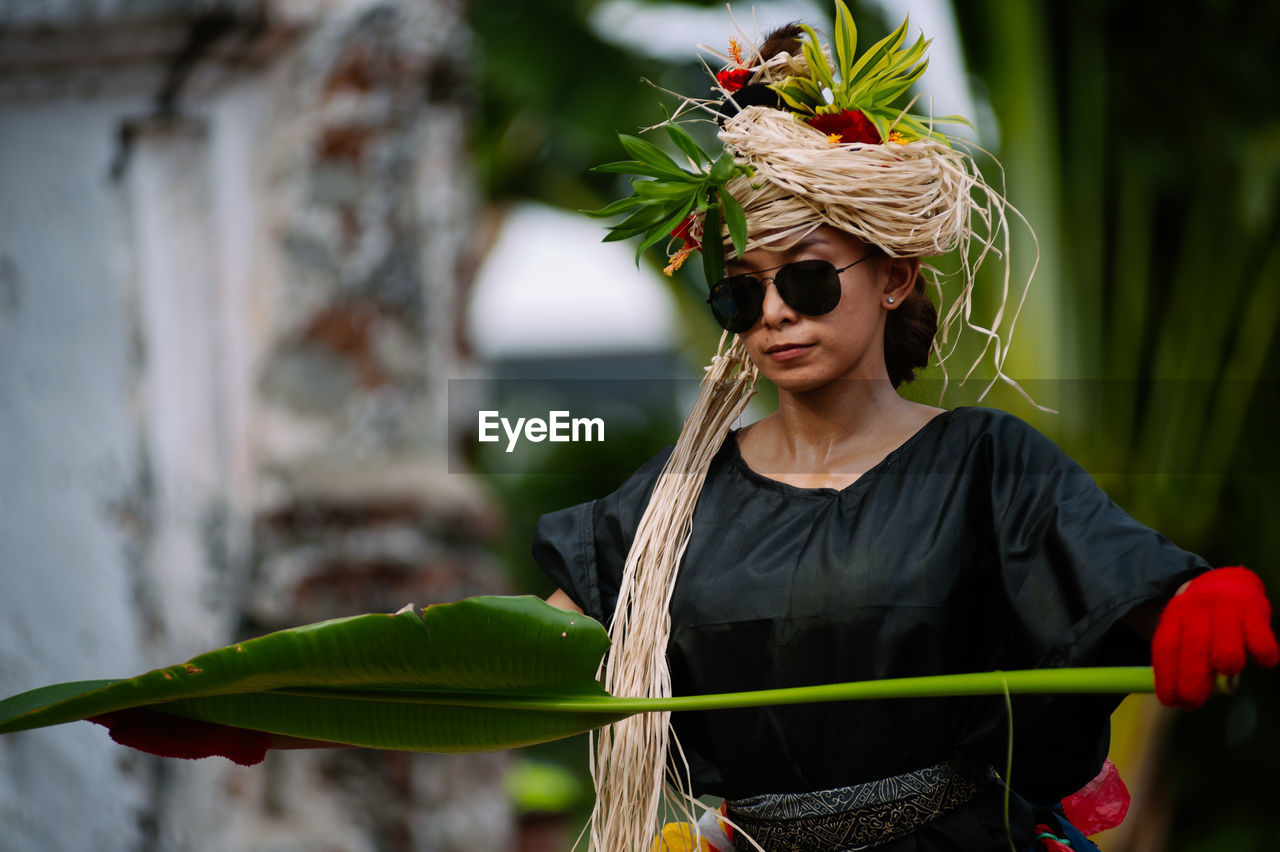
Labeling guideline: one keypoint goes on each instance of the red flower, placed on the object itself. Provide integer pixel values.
(733, 79)
(850, 125)
(684, 231)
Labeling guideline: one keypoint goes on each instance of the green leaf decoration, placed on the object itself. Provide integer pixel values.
(871, 84)
(405, 681)
(881, 124)
(888, 90)
(846, 40)
(880, 51)
(635, 167)
(818, 68)
(795, 94)
(657, 206)
(651, 155)
(912, 125)
(682, 140)
(712, 245)
(952, 119)
(660, 189)
(736, 219)
(622, 205)
(723, 168)
(647, 215)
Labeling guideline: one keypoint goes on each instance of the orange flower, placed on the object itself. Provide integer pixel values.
(897, 138)
(677, 261)
(735, 50)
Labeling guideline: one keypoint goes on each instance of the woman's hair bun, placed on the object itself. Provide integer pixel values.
(755, 94)
(785, 39)
(908, 335)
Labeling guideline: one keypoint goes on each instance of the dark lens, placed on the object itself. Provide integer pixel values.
(811, 287)
(736, 302)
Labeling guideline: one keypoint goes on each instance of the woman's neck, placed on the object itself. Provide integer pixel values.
(835, 413)
(827, 438)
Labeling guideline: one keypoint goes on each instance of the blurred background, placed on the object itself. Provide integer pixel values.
(260, 258)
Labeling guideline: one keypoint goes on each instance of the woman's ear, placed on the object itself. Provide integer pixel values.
(899, 280)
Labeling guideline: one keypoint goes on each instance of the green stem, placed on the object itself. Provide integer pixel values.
(1117, 679)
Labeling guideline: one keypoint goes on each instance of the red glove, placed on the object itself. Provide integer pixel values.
(1206, 630)
(173, 736)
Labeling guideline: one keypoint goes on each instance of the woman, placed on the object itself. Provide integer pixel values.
(852, 534)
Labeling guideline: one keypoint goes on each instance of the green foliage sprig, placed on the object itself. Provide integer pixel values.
(666, 194)
(870, 84)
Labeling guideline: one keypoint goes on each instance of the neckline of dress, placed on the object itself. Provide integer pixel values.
(890, 459)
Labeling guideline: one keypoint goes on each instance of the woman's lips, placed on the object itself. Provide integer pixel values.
(787, 351)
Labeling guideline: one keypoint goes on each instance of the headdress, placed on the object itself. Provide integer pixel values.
(811, 135)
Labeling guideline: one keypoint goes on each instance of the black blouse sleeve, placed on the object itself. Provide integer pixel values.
(1073, 565)
(583, 548)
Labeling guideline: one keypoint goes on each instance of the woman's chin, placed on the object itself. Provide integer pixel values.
(796, 381)
(809, 381)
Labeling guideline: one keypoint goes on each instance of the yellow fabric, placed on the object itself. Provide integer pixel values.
(679, 837)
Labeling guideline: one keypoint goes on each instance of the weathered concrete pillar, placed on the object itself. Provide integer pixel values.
(232, 241)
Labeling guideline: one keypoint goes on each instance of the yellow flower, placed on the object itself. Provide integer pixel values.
(679, 837)
(835, 138)
(678, 260)
(735, 50)
(897, 138)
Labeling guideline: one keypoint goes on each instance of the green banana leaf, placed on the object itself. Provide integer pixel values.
(383, 681)
(482, 674)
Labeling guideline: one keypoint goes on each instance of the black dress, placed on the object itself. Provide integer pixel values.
(976, 545)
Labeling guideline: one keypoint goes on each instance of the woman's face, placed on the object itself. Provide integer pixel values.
(800, 353)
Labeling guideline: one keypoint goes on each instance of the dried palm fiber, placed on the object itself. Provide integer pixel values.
(629, 757)
(911, 200)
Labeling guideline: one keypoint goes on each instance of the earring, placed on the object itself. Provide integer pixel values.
(891, 300)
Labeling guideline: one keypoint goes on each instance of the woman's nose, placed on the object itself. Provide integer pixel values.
(775, 311)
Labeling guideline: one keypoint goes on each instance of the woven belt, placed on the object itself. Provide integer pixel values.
(859, 817)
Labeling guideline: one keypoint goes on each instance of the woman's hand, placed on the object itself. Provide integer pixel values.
(563, 601)
(1210, 628)
(166, 735)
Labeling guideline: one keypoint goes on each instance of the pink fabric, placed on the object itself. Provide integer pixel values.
(1100, 804)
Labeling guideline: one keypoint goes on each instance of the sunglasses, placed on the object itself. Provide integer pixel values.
(810, 287)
